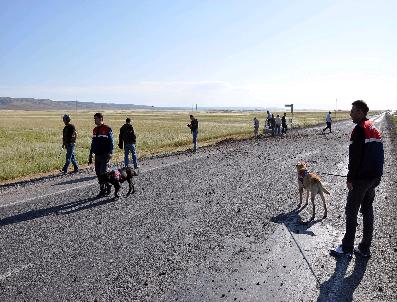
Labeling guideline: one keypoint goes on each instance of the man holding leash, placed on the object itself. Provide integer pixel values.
(69, 142)
(366, 159)
(102, 146)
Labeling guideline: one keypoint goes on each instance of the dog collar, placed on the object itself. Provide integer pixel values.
(302, 174)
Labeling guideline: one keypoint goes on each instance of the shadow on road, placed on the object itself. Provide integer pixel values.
(340, 288)
(62, 209)
(294, 223)
(76, 180)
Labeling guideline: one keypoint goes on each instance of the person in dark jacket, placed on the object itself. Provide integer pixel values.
(127, 139)
(273, 124)
(102, 146)
(69, 142)
(284, 123)
(194, 129)
(365, 167)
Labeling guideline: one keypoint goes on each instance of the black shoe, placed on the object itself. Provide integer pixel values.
(101, 193)
(338, 252)
(108, 190)
(76, 171)
(361, 253)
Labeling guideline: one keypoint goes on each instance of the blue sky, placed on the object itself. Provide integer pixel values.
(213, 53)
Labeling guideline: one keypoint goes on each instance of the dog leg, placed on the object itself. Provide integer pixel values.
(116, 189)
(131, 186)
(300, 197)
(324, 204)
(313, 196)
(307, 198)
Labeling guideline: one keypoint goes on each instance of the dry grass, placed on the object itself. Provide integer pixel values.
(31, 140)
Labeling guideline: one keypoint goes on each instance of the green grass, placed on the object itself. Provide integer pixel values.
(31, 140)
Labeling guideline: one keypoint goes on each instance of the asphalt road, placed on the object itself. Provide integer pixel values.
(218, 225)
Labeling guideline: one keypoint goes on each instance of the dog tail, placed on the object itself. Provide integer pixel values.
(324, 189)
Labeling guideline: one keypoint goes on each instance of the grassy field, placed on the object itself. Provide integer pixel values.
(31, 140)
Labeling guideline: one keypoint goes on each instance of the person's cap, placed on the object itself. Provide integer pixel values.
(127, 120)
(66, 118)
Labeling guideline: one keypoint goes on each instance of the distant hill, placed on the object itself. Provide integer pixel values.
(7, 103)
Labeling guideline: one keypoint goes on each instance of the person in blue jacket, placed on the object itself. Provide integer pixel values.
(365, 169)
(102, 146)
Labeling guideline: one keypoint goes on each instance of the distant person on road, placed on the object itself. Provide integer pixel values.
(102, 146)
(194, 129)
(127, 140)
(273, 124)
(278, 125)
(256, 127)
(328, 121)
(268, 118)
(366, 159)
(284, 123)
(69, 142)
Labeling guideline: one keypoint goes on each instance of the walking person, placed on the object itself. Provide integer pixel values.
(366, 158)
(284, 123)
(278, 125)
(127, 140)
(269, 118)
(328, 121)
(102, 146)
(256, 127)
(194, 129)
(69, 142)
(273, 124)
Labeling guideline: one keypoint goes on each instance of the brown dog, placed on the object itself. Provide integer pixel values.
(311, 183)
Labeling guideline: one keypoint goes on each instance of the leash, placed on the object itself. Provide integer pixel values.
(331, 174)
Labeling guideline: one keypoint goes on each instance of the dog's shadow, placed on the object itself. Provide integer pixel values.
(62, 209)
(293, 221)
(339, 287)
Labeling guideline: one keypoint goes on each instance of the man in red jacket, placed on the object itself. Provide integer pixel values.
(102, 146)
(366, 159)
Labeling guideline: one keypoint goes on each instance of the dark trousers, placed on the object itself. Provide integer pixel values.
(328, 127)
(360, 198)
(101, 164)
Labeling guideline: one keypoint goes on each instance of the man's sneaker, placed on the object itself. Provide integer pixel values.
(338, 251)
(361, 253)
(101, 193)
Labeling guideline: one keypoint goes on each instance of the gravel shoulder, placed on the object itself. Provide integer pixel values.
(218, 225)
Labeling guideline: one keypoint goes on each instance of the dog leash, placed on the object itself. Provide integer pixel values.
(331, 174)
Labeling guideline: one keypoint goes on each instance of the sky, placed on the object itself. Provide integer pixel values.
(313, 54)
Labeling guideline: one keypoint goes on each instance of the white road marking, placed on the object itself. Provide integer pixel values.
(14, 271)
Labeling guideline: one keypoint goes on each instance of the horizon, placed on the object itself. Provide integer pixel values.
(222, 54)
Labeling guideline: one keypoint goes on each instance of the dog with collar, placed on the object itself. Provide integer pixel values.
(312, 184)
(116, 177)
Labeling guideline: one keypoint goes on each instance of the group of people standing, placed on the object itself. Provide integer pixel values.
(275, 125)
(102, 145)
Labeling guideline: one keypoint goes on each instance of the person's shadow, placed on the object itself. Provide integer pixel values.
(62, 209)
(340, 288)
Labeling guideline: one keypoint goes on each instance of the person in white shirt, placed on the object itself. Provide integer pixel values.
(328, 120)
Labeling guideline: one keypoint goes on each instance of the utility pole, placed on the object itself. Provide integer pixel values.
(292, 112)
(196, 107)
